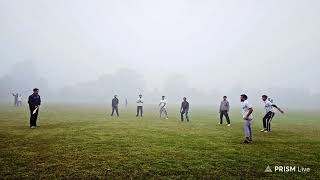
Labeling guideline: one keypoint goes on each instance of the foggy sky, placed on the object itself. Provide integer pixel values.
(213, 44)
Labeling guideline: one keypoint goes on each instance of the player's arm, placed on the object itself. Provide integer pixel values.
(249, 113)
(30, 101)
(275, 106)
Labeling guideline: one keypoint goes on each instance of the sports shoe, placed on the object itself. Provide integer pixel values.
(262, 130)
(265, 131)
(229, 125)
(32, 127)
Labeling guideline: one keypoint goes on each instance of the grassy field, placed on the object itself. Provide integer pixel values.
(84, 142)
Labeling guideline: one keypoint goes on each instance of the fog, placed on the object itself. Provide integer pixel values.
(86, 51)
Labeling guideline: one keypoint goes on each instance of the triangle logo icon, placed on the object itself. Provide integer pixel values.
(268, 170)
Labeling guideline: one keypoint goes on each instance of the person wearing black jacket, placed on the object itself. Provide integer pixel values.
(115, 103)
(34, 102)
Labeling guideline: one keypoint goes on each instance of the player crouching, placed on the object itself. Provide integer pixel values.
(268, 105)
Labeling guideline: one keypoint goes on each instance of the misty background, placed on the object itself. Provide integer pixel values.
(87, 51)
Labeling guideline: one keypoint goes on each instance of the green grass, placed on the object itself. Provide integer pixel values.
(84, 142)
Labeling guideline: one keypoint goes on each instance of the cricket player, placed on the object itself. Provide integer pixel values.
(247, 116)
(34, 102)
(115, 105)
(20, 100)
(268, 105)
(139, 106)
(184, 109)
(224, 110)
(163, 107)
(15, 95)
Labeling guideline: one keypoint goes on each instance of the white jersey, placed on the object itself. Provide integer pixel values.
(19, 98)
(268, 106)
(163, 103)
(245, 109)
(140, 102)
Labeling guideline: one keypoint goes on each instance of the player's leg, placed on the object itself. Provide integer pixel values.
(137, 111)
(117, 111)
(31, 117)
(221, 117)
(270, 121)
(36, 118)
(250, 131)
(112, 111)
(187, 116)
(166, 113)
(181, 113)
(246, 128)
(264, 122)
(227, 117)
(141, 111)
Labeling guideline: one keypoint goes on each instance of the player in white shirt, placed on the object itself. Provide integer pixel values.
(246, 110)
(269, 113)
(140, 106)
(163, 107)
(20, 100)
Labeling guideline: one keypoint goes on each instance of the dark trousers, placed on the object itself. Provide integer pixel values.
(33, 117)
(139, 110)
(184, 112)
(267, 120)
(224, 113)
(115, 108)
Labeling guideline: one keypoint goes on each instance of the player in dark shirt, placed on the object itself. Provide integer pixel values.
(34, 102)
(184, 110)
(115, 103)
(15, 95)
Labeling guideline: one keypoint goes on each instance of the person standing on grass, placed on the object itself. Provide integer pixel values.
(115, 105)
(163, 107)
(224, 110)
(139, 106)
(184, 109)
(247, 116)
(20, 100)
(34, 102)
(268, 105)
(15, 99)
